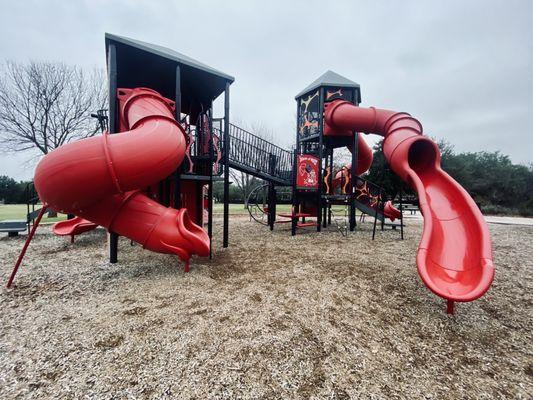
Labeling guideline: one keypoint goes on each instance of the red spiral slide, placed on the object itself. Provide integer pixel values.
(100, 178)
(455, 253)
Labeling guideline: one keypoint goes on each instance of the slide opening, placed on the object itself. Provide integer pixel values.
(422, 155)
(188, 224)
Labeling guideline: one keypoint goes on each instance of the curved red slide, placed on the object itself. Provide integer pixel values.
(455, 253)
(73, 226)
(99, 179)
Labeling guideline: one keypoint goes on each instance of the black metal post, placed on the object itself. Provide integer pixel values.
(227, 144)
(294, 220)
(331, 176)
(320, 157)
(383, 171)
(382, 209)
(401, 210)
(112, 79)
(271, 192)
(325, 208)
(177, 180)
(353, 174)
(210, 184)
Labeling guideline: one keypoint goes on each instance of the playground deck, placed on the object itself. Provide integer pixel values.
(291, 322)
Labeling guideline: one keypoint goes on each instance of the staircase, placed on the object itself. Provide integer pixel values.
(256, 156)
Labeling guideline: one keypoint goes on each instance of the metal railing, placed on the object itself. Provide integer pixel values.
(253, 154)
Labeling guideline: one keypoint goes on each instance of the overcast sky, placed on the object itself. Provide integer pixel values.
(463, 68)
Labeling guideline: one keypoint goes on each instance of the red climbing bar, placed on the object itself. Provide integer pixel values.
(26, 244)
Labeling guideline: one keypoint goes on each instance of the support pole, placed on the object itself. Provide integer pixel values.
(330, 183)
(294, 220)
(210, 184)
(353, 174)
(450, 307)
(112, 72)
(401, 210)
(26, 244)
(320, 157)
(326, 203)
(227, 146)
(177, 114)
(271, 192)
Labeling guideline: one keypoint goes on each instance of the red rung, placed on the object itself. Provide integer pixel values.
(306, 224)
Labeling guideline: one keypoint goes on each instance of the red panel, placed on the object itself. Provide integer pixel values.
(307, 172)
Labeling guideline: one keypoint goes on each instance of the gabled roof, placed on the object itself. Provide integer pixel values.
(141, 64)
(329, 78)
(167, 53)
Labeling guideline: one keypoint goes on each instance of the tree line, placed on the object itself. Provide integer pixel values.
(11, 191)
(44, 105)
(496, 184)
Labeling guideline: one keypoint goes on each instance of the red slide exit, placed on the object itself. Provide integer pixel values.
(455, 253)
(100, 178)
(73, 227)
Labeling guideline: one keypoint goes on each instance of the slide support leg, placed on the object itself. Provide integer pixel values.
(450, 309)
(26, 244)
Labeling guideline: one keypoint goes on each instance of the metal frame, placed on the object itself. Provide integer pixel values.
(227, 149)
(177, 100)
(320, 159)
(113, 128)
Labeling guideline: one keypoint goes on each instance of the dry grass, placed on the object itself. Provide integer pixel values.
(314, 316)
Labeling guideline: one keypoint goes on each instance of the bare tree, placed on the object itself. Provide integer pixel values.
(44, 105)
(245, 182)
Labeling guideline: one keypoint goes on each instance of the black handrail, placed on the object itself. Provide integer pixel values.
(254, 153)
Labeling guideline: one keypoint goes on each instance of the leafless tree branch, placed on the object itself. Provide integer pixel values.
(44, 105)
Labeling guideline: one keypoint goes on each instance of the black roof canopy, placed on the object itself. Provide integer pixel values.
(330, 78)
(141, 64)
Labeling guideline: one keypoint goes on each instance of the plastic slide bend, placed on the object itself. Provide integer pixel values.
(72, 227)
(99, 178)
(455, 252)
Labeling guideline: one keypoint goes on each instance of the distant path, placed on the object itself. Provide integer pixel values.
(491, 219)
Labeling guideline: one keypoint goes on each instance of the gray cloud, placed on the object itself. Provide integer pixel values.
(463, 68)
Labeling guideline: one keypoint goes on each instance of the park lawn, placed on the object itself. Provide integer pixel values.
(18, 211)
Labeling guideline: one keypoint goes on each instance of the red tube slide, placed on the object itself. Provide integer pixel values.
(455, 253)
(100, 178)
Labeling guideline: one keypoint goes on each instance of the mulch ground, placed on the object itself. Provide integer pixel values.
(318, 315)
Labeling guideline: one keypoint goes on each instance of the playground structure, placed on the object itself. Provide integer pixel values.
(153, 181)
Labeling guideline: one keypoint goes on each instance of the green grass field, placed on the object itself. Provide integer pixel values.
(18, 211)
